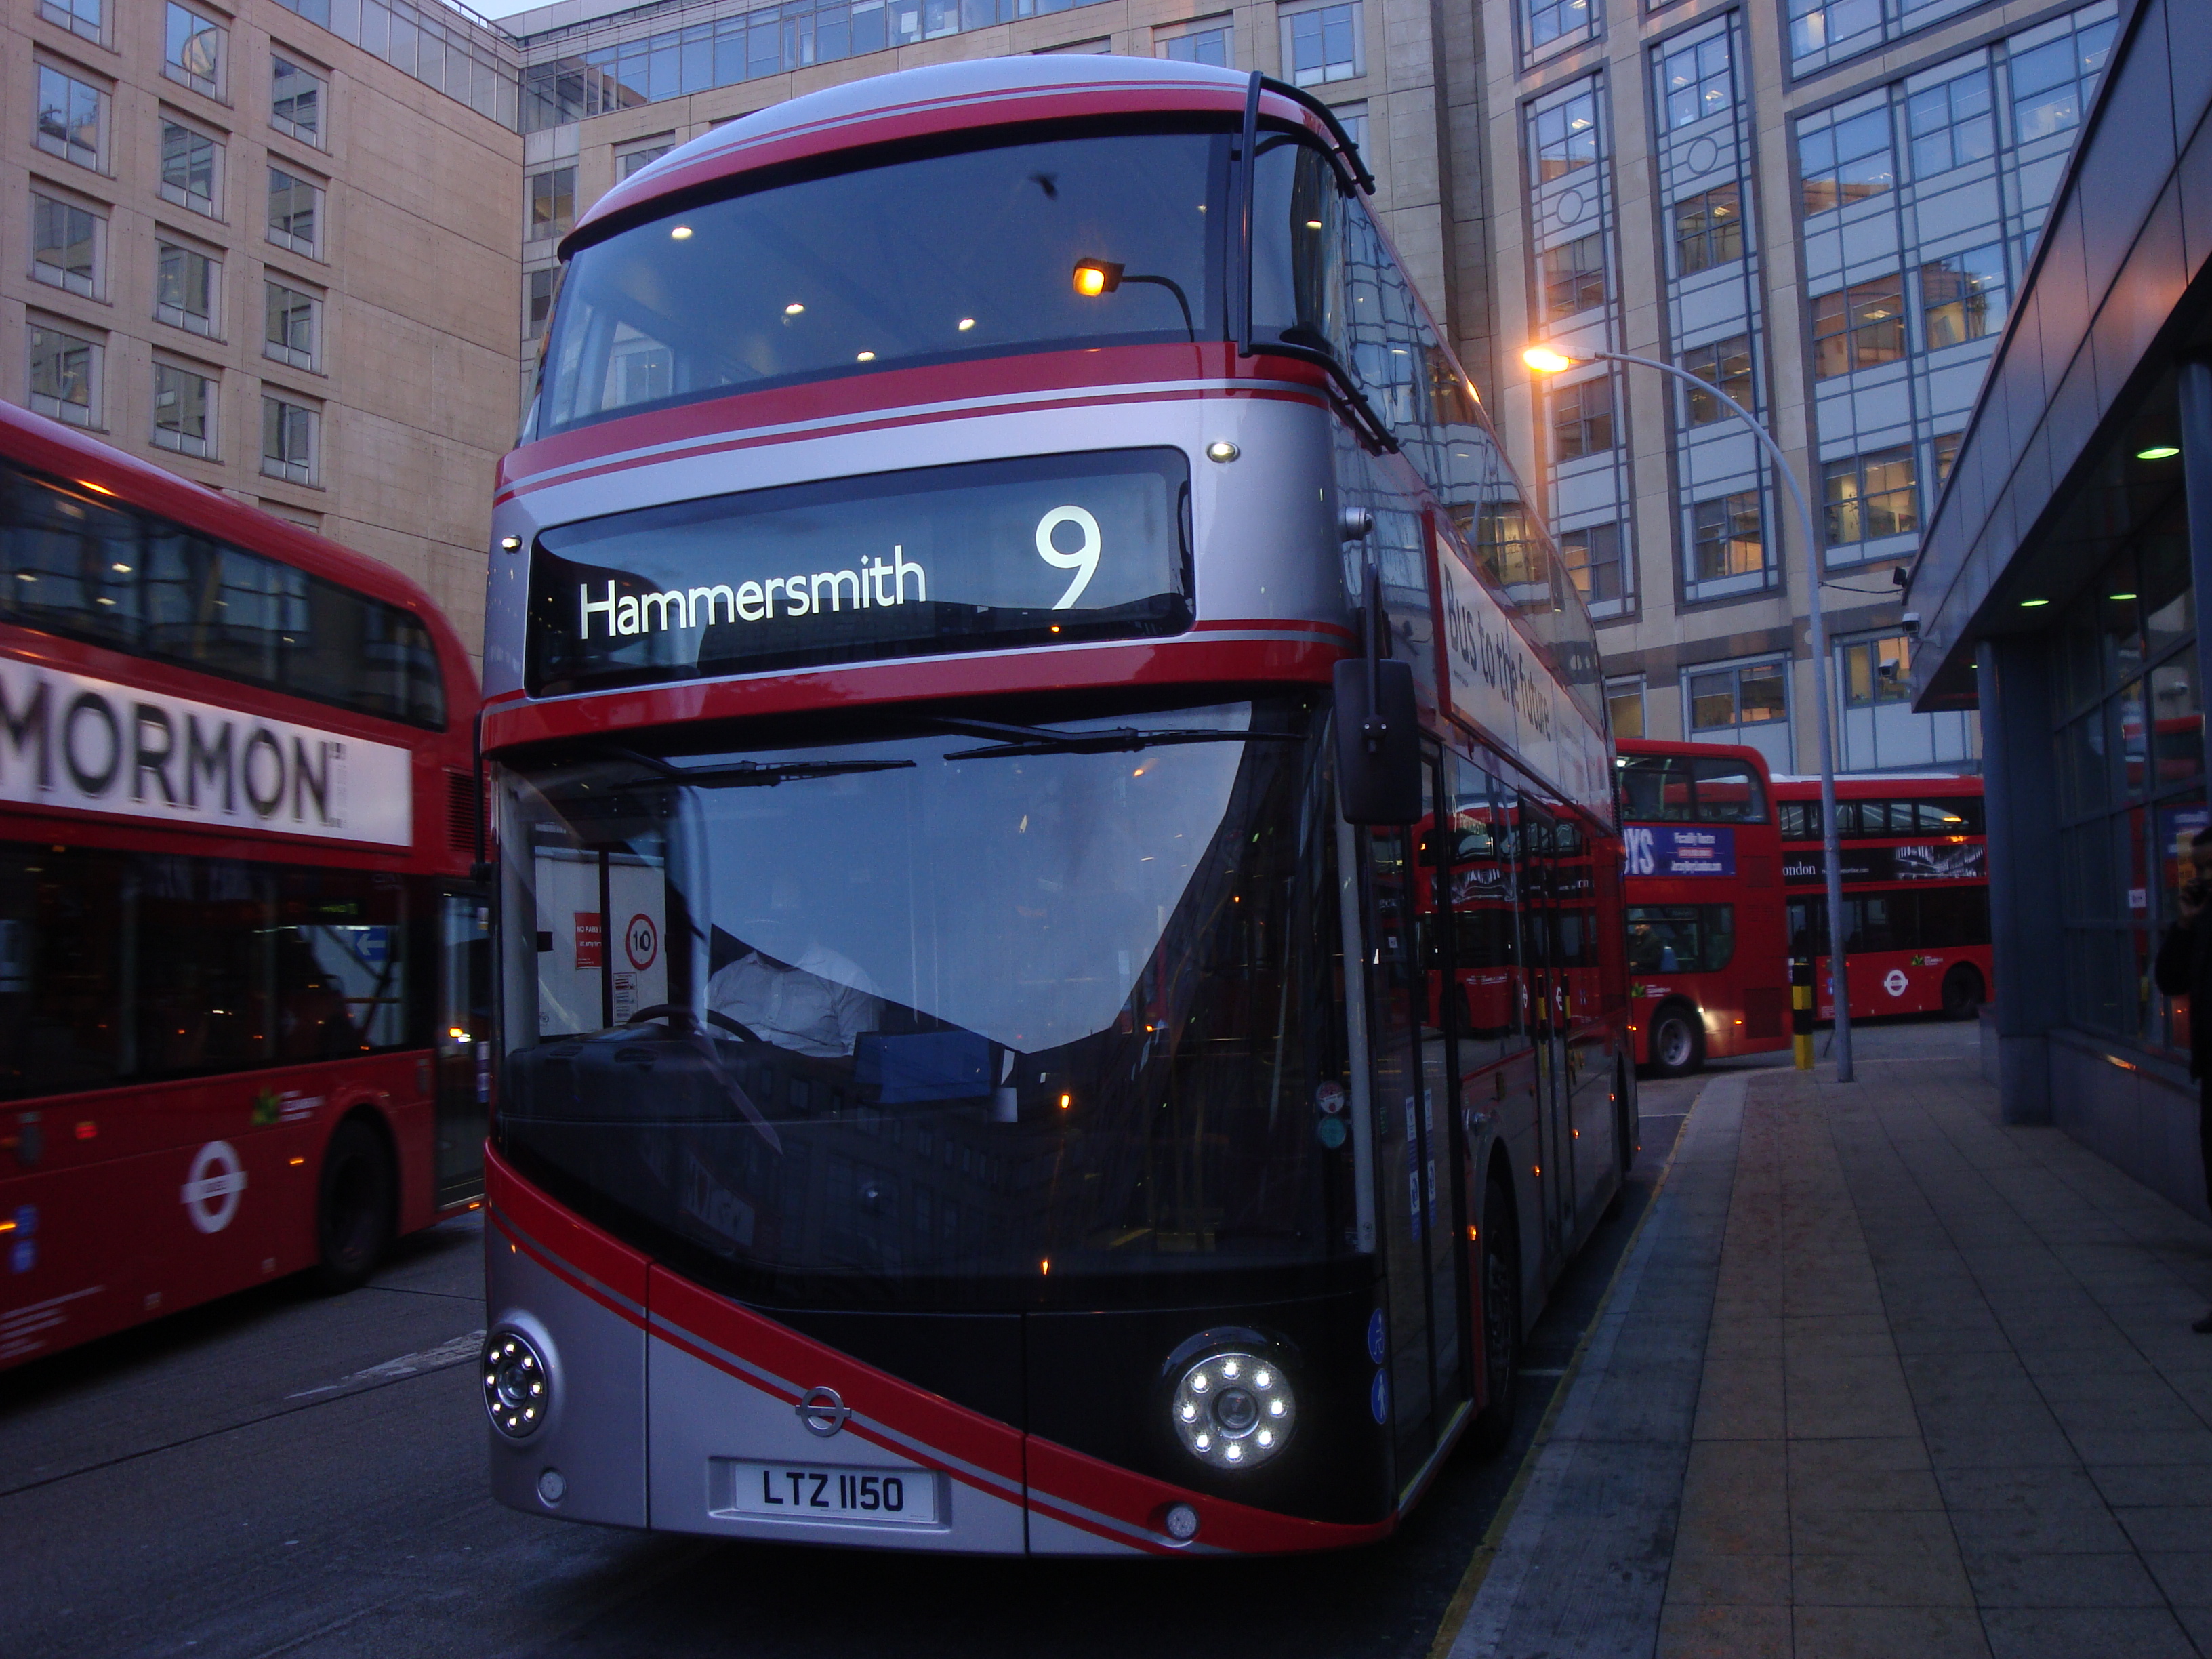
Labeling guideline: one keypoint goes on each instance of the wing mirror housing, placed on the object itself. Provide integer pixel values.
(1378, 742)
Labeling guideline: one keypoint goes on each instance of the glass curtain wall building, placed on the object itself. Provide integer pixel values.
(1824, 213)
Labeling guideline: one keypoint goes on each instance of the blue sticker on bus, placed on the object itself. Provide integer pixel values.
(1375, 1337)
(1667, 849)
(1378, 1397)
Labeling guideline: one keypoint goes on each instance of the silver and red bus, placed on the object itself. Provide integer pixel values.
(1708, 968)
(1915, 891)
(1005, 618)
(243, 963)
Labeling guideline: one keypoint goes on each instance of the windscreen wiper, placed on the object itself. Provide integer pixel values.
(1118, 740)
(751, 775)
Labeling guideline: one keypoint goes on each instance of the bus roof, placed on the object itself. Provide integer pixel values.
(66, 453)
(1912, 786)
(920, 102)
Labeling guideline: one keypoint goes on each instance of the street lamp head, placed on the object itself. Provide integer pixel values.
(1545, 360)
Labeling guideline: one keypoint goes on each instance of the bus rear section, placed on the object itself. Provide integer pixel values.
(1916, 891)
(1707, 969)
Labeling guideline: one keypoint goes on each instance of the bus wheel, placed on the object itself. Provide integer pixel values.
(1678, 1041)
(1501, 1322)
(353, 1209)
(1962, 992)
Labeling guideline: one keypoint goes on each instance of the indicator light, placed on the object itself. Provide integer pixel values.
(2118, 597)
(297, 1162)
(1222, 450)
(967, 323)
(866, 357)
(793, 309)
(514, 1384)
(510, 543)
(2157, 452)
(2031, 604)
(1096, 277)
(1313, 224)
(1233, 1410)
(681, 234)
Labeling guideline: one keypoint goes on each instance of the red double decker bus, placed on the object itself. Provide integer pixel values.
(1916, 891)
(1701, 863)
(1010, 658)
(241, 960)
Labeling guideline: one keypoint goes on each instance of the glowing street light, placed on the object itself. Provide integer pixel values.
(1545, 360)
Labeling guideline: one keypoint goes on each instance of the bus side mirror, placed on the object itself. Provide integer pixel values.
(1378, 750)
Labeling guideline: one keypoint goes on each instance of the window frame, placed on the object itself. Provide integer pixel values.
(309, 247)
(1592, 421)
(1561, 152)
(274, 282)
(1953, 123)
(1971, 304)
(1167, 37)
(1826, 188)
(1723, 513)
(65, 146)
(1850, 326)
(208, 326)
(1718, 237)
(317, 135)
(1585, 573)
(1330, 70)
(550, 226)
(46, 403)
(209, 206)
(1856, 472)
(177, 440)
(285, 407)
(1858, 661)
(1775, 668)
(175, 69)
(1559, 273)
(1713, 355)
(93, 287)
(64, 14)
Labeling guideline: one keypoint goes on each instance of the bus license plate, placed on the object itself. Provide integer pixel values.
(789, 1491)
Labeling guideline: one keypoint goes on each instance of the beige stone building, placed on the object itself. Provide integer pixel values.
(274, 260)
(1821, 206)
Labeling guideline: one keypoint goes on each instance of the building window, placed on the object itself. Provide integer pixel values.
(65, 245)
(83, 17)
(1352, 117)
(296, 97)
(295, 212)
(1582, 418)
(287, 441)
(552, 204)
(292, 325)
(1726, 538)
(1744, 695)
(70, 117)
(1212, 46)
(638, 160)
(1567, 137)
(1695, 81)
(1962, 297)
(1574, 276)
(192, 50)
(65, 376)
(538, 300)
(1324, 45)
(1877, 672)
(184, 410)
(1709, 229)
(1947, 452)
(1554, 20)
(1862, 326)
(1592, 556)
(2052, 83)
(1623, 707)
(1951, 125)
(1724, 364)
(185, 285)
(1832, 26)
(1840, 162)
(191, 161)
(1871, 496)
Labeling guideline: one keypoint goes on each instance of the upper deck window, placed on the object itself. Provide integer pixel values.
(965, 254)
(85, 565)
(1690, 789)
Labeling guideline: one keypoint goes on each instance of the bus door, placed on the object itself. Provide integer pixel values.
(1540, 932)
(1410, 1087)
(463, 1043)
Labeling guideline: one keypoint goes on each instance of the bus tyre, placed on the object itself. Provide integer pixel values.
(354, 1206)
(1501, 1322)
(1962, 992)
(1678, 1041)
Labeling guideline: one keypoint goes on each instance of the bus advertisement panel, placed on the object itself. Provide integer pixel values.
(978, 1063)
(243, 968)
(1707, 970)
(1915, 891)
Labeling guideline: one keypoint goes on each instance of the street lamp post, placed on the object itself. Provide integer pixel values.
(1545, 360)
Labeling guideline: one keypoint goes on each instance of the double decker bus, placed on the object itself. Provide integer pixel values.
(1708, 969)
(1005, 618)
(1916, 891)
(242, 963)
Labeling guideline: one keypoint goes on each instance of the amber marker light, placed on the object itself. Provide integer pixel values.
(1096, 277)
(1545, 360)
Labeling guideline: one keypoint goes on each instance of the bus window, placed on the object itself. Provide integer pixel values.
(1654, 789)
(1801, 820)
(1680, 938)
(1728, 792)
(1955, 918)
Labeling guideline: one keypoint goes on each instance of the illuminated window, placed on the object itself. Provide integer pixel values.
(1962, 297)
(1725, 364)
(2052, 83)
(1840, 162)
(1592, 557)
(1878, 672)
(1695, 83)
(1870, 496)
(1726, 538)
(1623, 704)
(1858, 327)
(1582, 418)
(552, 204)
(1566, 137)
(1554, 20)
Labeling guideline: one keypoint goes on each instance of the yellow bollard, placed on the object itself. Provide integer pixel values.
(1801, 1012)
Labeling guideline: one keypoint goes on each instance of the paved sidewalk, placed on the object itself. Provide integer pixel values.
(1880, 1378)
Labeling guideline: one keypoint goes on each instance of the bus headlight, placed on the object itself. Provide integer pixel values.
(1234, 1411)
(518, 1388)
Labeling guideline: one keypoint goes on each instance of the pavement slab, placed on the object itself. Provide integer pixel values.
(1944, 1399)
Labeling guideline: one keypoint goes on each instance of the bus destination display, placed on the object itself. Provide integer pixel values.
(1050, 549)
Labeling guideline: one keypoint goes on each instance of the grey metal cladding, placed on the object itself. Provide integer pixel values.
(594, 1434)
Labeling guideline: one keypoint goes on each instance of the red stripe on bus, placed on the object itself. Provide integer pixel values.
(855, 398)
(922, 1423)
(580, 1245)
(1060, 1476)
(1162, 662)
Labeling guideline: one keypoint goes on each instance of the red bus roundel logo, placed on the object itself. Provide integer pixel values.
(641, 939)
